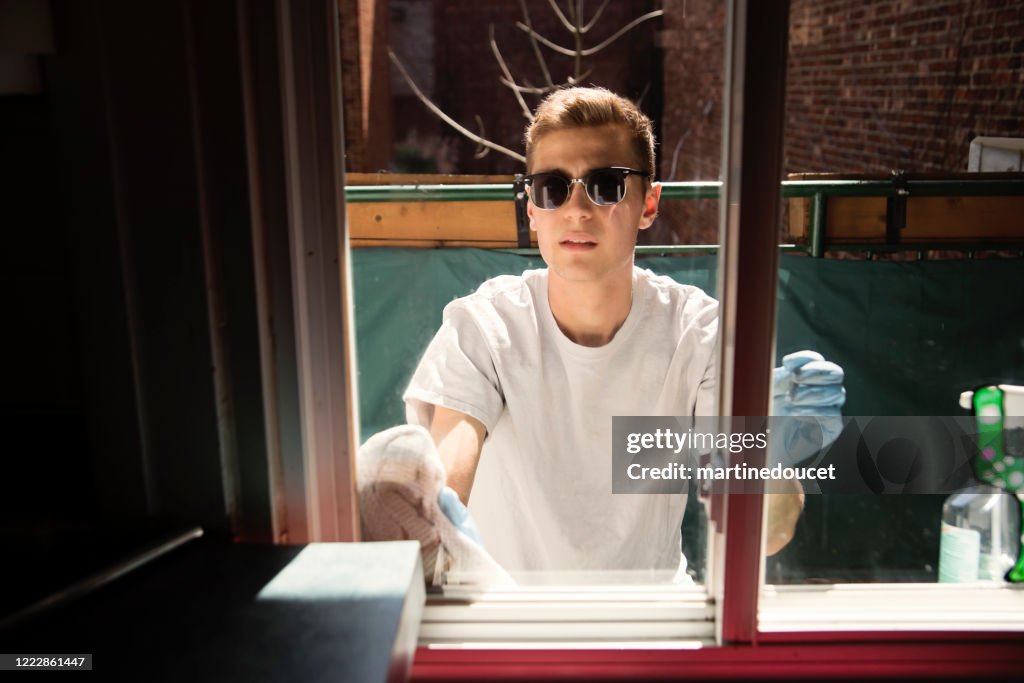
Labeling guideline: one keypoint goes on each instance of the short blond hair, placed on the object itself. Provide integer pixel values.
(578, 107)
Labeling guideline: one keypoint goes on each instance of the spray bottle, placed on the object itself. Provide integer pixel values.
(981, 525)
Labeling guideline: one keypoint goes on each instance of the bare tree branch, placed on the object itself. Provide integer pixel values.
(561, 17)
(618, 34)
(577, 65)
(573, 20)
(528, 89)
(593, 19)
(481, 151)
(536, 48)
(588, 52)
(533, 34)
(509, 80)
(643, 94)
(439, 113)
(576, 80)
(675, 154)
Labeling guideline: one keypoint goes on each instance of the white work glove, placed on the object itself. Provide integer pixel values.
(402, 495)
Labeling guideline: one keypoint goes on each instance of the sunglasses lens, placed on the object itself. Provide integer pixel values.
(549, 191)
(606, 187)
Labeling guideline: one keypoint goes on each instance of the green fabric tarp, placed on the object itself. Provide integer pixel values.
(910, 335)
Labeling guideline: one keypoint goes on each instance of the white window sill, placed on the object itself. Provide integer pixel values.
(660, 617)
(538, 617)
(892, 607)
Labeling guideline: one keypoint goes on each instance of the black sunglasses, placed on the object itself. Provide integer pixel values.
(604, 186)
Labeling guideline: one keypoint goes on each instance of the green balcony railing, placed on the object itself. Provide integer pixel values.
(819, 191)
(705, 190)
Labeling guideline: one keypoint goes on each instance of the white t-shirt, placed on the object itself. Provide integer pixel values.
(542, 497)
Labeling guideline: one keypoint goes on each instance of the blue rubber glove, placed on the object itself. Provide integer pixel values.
(806, 386)
(458, 514)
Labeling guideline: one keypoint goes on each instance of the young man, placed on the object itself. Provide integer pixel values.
(519, 385)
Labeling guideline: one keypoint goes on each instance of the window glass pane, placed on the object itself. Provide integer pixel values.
(444, 61)
(911, 296)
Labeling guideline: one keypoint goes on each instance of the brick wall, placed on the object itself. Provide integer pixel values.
(872, 85)
(875, 86)
(365, 85)
(691, 128)
(351, 85)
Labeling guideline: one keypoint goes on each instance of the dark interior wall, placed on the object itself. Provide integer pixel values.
(133, 388)
(145, 99)
(42, 406)
(170, 183)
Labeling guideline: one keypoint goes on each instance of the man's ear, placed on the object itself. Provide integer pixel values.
(529, 213)
(651, 199)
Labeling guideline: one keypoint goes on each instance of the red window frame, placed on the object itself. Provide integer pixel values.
(752, 159)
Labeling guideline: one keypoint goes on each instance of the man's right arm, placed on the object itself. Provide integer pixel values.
(459, 438)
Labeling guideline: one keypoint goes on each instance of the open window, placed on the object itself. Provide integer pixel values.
(856, 569)
(392, 217)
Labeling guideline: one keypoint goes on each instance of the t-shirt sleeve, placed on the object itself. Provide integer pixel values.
(457, 371)
(707, 333)
(707, 390)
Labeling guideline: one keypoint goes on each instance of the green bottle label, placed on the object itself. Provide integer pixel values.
(990, 464)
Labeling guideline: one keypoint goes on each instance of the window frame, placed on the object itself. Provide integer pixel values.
(755, 73)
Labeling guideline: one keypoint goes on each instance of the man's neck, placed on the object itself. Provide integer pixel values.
(590, 313)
